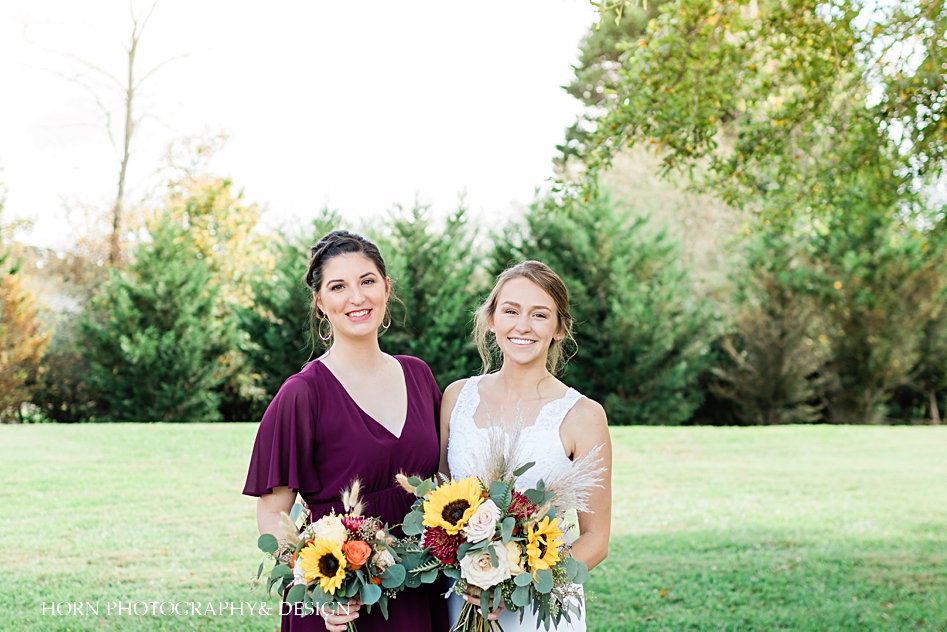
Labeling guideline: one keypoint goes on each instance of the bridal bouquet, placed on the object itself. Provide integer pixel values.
(333, 559)
(503, 543)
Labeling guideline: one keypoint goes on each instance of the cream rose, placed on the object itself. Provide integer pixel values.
(299, 575)
(383, 559)
(478, 570)
(330, 528)
(483, 523)
(513, 553)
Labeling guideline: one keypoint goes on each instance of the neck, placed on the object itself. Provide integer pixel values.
(360, 353)
(516, 379)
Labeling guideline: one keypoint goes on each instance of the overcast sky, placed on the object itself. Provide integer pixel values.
(357, 105)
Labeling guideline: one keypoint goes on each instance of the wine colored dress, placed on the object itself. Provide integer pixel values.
(316, 440)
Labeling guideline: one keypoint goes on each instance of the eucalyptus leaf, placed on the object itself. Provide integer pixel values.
(295, 512)
(259, 571)
(523, 469)
(582, 574)
(268, 543)
(393, 576)
(383, 606)
(423, 488)
(453, 573)
(523, 579)
(296, 594)
(428, 577)
(506, 528)
(413, 523)
(370, 594)
(520, 596)
(414, 480)
(279, 571)
(534, 496)
(544, 581)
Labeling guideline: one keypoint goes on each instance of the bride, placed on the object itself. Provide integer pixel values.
(526, 318)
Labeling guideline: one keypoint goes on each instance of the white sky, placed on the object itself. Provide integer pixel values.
(356, 104)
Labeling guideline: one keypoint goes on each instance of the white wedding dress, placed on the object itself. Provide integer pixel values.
(467, 448)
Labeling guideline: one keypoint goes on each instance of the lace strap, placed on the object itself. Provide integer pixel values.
(467, 400)
(555, 412)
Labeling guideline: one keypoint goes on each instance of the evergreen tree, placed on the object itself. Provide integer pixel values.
(642, 331)
(774, 365)
(277, 339)
(154, 341)
(434, 277)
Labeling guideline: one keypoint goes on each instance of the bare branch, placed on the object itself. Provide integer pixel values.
(158, 67)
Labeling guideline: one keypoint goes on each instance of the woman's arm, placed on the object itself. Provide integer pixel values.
(584, 428)
(268, 508)
(447, 406)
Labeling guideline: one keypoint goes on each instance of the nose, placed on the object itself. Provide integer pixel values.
(523, 324)
(357, 296)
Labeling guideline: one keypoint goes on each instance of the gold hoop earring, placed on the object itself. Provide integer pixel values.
(384, 326)
(328, 336)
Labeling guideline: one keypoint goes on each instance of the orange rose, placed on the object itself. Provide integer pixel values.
(356, 552)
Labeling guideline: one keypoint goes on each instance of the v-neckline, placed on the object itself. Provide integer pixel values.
(536, 421)
(404, 375)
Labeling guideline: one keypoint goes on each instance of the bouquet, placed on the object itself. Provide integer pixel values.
(333, 559)
(505, 544)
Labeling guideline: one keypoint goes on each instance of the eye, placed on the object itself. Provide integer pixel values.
(510, 311)
(368, 281)
(541, 316)
(337, 286)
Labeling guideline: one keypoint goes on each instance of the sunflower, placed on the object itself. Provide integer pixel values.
(543, 540)
(451, 505)
(323, 559)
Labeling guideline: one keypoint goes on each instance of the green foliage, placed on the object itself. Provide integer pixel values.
(62, 391)
(642, 330)
(880, 282)
(277, 340)
(434, 275)
(773, 371)
(156, 346)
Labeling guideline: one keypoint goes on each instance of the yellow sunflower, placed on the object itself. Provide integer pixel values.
(451, 505)
(542, 544)
(323, 559)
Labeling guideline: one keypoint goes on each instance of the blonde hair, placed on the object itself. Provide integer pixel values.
(543, 276)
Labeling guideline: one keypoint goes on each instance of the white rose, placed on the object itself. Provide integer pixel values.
(329, 528)
(383, 559)
(299, 575)
(483, 523)
(478, 570)
(513, 558)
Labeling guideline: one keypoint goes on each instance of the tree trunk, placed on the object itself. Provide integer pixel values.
(935, 414)
(115, 239)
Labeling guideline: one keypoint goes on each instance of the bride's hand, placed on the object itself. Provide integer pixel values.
(475, 601)
(338, 622)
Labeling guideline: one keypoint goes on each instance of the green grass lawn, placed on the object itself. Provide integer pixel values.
(788, 528)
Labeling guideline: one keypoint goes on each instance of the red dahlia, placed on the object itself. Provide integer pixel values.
(520, 507)
(443, 545)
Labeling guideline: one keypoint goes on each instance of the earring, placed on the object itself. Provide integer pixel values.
(328, 336)
(384, 326)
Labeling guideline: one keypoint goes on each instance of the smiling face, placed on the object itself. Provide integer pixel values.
(353, 295)
(525, 322)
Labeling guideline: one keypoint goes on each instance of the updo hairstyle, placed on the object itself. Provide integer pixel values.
(338, 242)
(543, 276)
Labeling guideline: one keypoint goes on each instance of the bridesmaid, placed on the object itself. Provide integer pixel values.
(353, 413)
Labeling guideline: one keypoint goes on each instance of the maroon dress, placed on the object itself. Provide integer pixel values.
(315, 439)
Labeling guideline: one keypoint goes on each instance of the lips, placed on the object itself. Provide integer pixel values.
(521, 342)
(360, 314)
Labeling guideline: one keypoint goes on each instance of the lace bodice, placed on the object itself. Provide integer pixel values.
(468, 443)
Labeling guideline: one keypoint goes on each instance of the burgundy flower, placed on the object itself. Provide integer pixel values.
(353, 524)
(443, 546)
(520, 507)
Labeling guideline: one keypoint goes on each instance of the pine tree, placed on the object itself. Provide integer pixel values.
(642, 330)
(154, 341)
(277, 339)
(774, 367)
(434, 276)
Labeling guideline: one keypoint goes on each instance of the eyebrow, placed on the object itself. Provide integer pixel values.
(515, 304)
(343, 281)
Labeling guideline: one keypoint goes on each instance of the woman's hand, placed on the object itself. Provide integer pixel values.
(339, 622)
(474, 600)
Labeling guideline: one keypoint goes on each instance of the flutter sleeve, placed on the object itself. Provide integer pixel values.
(285, 443)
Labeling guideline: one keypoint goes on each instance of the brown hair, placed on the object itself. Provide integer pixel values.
(338, 242)
(543, 276)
